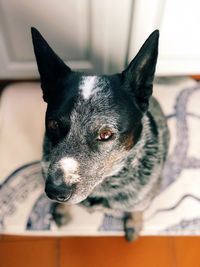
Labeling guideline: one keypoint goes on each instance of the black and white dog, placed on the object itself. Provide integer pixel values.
(106, 137)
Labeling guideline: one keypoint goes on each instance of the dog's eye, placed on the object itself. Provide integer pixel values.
(105, 135)
(53, 130)
(52, 125)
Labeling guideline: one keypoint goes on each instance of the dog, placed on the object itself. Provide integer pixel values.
(106, 137)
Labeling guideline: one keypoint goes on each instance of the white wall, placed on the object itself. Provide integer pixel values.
(179, 25)
(99, 35)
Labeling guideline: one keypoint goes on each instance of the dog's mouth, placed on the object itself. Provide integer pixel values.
(61, 193)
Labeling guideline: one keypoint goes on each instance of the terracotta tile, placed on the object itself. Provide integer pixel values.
(114, 251)
(29, 253)
(187, 251)
(196, 77)
(24, 238)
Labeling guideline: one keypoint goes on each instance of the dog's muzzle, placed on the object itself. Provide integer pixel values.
(60, 193)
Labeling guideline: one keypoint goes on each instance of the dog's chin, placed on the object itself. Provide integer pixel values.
(76, 199)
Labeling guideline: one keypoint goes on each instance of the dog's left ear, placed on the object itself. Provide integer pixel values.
(139, 75)
(50, 66)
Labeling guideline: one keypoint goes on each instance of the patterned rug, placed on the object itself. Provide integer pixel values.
(24, 208)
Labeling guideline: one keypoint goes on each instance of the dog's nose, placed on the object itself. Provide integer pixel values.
(60, 193)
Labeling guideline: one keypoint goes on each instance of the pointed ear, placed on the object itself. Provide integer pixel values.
(50, 66)
(139, 74)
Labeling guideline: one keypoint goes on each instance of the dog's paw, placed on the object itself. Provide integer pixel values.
(132, 225)
(130, 234)
(60, 214)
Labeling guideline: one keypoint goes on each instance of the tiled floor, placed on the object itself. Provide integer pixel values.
(99, 252)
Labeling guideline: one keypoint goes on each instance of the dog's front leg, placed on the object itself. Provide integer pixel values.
(60, 214)
(133, 225)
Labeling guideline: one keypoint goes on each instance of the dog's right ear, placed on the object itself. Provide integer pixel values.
(50, 66)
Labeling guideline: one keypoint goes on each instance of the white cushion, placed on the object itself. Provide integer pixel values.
(24, 209)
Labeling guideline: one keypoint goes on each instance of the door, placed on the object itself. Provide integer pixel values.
(90, 35)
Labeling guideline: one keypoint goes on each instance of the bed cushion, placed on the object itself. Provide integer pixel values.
(24, 208)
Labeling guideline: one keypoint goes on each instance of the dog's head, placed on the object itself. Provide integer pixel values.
(92, 122)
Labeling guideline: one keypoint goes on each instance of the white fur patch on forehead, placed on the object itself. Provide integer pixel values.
(88, 86)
